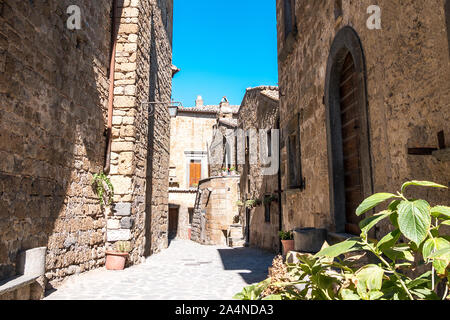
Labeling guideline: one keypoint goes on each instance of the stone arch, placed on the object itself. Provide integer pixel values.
(346, 44)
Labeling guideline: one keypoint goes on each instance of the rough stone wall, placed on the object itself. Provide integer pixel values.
(258, 111)
(215, 210)
(408, 90)
(53, 95)
(53, 111)
(157, 176)
(140, 147)
(219, 146)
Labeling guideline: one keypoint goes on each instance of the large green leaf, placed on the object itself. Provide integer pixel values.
(389, 240)
(441, 260)
(370, 222)
(414, 220)
(422, 184)
(340, 248)
(347, 294)
(440, 211)
(432, 245)
(371, 276)
(372, 201)
(399, 252)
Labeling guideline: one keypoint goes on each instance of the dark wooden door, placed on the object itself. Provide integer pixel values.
(351, 134)
(173, 222)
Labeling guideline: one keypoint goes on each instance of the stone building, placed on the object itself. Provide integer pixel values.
(192, 130)
(215, 210)
(259, 113)
(222, 148)
(55, 125)
(363, 100)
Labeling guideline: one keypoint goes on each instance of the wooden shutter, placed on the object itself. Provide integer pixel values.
(195, 173)
(351, 132)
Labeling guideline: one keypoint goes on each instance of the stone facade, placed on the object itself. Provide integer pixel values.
(259, 112)
(403, 81)
(215, 209)
(222, 149)
(53, 113)
(192, 132)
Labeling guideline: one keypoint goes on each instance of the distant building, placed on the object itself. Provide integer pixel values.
(191, 130)
(259, 112)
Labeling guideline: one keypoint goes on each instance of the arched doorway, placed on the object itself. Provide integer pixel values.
(349, 158)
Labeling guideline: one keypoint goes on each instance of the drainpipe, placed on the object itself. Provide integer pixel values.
(112, 68)
(280, 207)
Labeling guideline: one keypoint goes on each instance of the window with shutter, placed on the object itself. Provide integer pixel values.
(195, 173)
(295, 179)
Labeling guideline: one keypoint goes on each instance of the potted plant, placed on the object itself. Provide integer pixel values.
(252, 203)
(115, 260)
(239, 203)
(233, 171)
(224, 172)
(287, 239)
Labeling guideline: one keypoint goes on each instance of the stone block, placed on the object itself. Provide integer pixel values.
(118, 235)
(113, 224)
(309, 240)
(32, 262)
(126, 223)
(122, 209)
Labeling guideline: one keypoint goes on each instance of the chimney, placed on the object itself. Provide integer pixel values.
(199, 101)
(224, 102)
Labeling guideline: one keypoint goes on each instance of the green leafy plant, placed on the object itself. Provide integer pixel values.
(252, 203)
(104, 188)
(335, 273)
(286, 235)
(239, 203)
(123, 246)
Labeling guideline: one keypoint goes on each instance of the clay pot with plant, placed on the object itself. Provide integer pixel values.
(115, 260)
(287, 240)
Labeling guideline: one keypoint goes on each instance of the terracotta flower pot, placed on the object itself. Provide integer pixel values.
(116, 260)
(288, 245)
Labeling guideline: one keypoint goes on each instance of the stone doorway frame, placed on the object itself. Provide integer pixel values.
(346, 41)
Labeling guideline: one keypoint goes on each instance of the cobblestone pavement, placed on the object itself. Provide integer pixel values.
(184, 271)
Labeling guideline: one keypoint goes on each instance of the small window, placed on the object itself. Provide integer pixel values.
(289, 17)
(269, 143)
(191, 215)
(267, 209)
(295, 179)
(195, 173)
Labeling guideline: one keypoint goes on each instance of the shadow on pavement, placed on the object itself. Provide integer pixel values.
(255, 261)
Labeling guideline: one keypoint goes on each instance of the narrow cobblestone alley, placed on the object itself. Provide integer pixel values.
(185, 271)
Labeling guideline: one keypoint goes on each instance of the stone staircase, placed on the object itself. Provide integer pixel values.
(235, 238)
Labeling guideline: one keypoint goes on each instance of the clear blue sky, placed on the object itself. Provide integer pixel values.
(223, 47)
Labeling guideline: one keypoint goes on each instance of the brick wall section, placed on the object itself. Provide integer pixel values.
(260, 111)
(141, 137)
(215, 211)
(408, 84)
(53, 96)
(158, 155)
